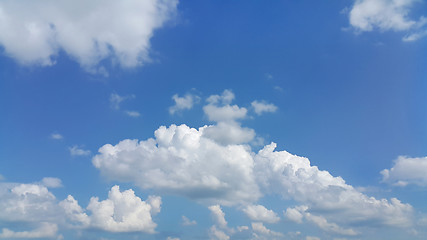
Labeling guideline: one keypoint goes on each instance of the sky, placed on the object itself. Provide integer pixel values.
(176, 120)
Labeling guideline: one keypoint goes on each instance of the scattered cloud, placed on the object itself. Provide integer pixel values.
(45, 230)
(188, 162)
(386, 15)
(77, 151)
(116, 100)
(35, 32)
(406, 171)
(261, 231)
(122, 212)
(56, 136)
(134, 114)
(217, 234)
(261, 213)
(183, 103)
(311, 238)
(188, 222)
(262, 107)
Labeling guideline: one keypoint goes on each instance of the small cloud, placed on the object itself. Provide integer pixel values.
(116, 100)
(56, 136)
(51, 182)
(183, 103)
(1, 177)
(134, 114)
(188, 222)
(268, 76)
(278, 88)
(261, 107)
(76, 151)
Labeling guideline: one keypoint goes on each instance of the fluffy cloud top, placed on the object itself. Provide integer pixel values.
(385, 15)
(181, 161)
(123, 212)
(35, 204)
(188, 162)
(407, 171)
(260, 213)
(33, 32)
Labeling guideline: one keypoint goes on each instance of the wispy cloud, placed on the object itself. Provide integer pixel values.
(77, 151)
(133, 113)
(56, 136)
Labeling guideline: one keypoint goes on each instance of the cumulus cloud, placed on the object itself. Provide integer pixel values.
(77, 151)
(35, 32)
(386, 15)
(34, 204)
(45, 230)
(183, 103)
(181, 161)
(261, 213)
(122, 212)
(406, 171)
(189, 162)
(187, 222)
(263, 107)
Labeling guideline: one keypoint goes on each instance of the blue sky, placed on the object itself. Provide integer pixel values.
(213, 119)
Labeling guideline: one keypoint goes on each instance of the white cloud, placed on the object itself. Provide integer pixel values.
(218, 216)
(258, 227)
(187, 222)
(227, 133)
(311, 238)
(51, 182)
(77, 151)
(121, 212)
(183, 103)
(35, 32)
(56, 136)
(185, 161)
(386, 15)
(75, 214)
(260, 213)
(45, 230)
(133, 114)
(406, 171)
(216, 234)
(262, 107)
(181, 161)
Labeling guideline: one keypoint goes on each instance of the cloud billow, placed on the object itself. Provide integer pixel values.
(34, 32)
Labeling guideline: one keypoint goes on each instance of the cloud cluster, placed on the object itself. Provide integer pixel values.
(386, 15)
(34, 32)
(203, 167)
(406, 171)
(36, 205)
